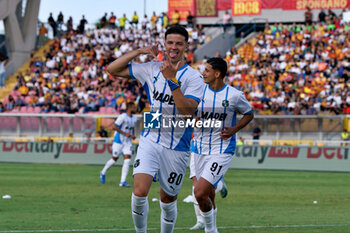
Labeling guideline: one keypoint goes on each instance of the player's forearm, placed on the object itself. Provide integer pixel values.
(116, 128)
(183, 104)
(243, 122)
(120, 64)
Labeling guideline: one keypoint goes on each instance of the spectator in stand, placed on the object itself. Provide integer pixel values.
(70, 24)
(102, 133)
(322, 16)
(175, 17)
(226, 21)
(256, 132)
(60, 20)
(42, 35)
(112, 21)
(2, 70)
(82, 24)
(10, 103)
(144, 22)
(154, 20)
(308, 16)
(345, 137)
(190, 19)
(135, 19)
(164, 20)
(88, 132)
(53, 24)
(103, 21)
(2, 109)
(122, 22)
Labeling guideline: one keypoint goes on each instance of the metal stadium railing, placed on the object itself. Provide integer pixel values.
(274, 127)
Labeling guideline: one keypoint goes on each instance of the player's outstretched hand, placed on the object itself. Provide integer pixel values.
(227, 133)
(151, 50)
(168, 69)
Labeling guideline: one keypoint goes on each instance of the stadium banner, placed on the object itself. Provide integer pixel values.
(57, 153)
(314, 4)
(306, 158)
(246, 7)
(224, 4)
(183, 6)
(271, 4)
(206, 8)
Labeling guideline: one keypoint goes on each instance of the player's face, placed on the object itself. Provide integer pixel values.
(133, 109)
(175, 45)
(209, 74)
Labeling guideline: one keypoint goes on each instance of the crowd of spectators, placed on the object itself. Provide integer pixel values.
(71, 77)
(300, 69)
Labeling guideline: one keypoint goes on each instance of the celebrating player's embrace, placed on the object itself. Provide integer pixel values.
(166, 151)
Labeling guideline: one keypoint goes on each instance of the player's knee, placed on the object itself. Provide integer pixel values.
(200, 194)
(115, 158)
(165, 198)
(140, 191)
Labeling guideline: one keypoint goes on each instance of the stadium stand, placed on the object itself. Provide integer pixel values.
(287, 69)
(295, 69)
(69, 76)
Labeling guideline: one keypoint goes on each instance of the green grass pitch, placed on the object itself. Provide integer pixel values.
(62, 198)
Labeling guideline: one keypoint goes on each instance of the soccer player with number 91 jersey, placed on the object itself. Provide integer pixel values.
(213, 147)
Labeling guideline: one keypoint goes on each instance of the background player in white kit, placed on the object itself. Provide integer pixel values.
(122, 143)
(213, 148)
(173, 88)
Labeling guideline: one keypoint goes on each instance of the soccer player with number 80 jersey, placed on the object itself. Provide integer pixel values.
(173, 89)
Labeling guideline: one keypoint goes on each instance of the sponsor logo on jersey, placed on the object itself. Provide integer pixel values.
(165, 98)
(216, 116)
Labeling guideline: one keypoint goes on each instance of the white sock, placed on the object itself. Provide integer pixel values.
(125, 170)
(108, 164)
(215, 213)
(219, 187)
(197, 211)
(209, 221)
(139, 208)
(168, 216)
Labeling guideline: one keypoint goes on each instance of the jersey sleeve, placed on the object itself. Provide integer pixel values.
(194, 88)
(141, 72)
(120, 120)
(242, 105)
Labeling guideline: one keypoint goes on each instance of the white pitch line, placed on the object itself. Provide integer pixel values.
(176, 228)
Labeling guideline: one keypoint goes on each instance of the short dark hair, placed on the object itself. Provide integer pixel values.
(130, 104)
(177, 29)
(218, 64)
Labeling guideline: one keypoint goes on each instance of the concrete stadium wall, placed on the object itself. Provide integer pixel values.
(305, 158)
(20, 31)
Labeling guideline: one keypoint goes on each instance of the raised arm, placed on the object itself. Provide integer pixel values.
(119, 67)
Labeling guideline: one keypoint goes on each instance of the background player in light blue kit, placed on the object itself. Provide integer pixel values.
(122, 143)
(213, 148)
(172, 88)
